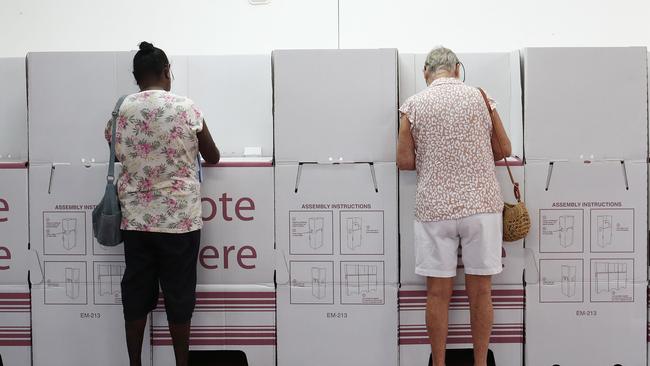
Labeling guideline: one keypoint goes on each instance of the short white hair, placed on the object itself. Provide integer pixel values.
(441, 58)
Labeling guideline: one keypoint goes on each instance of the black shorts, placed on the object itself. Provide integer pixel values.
(153, 258)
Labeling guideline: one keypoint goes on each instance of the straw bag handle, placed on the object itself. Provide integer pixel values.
(505, 159)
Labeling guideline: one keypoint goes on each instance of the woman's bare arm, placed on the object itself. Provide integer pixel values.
(405, 145)
(501, 147)
(207, 148)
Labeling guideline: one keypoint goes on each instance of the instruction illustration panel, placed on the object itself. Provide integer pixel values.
(362, 232)
(311, 282)
(64, 232)
(362, 283)
(65, 283)
(612, 231)
(612, 280)
(561, 231)
(561, 280)
(311, 232)
(107, 282)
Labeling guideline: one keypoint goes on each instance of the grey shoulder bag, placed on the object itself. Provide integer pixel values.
(107, 215)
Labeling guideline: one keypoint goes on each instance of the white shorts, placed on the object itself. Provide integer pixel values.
(437, 242)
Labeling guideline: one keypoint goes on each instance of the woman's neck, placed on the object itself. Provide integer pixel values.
(152, 88)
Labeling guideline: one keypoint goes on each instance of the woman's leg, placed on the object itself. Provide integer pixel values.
(134, 337)
(479, 290)
(437, 316)
(139, 290)
(181, 341)
(178, 258)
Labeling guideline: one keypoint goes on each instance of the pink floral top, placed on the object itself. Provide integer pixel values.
(455, 169)
(156, 143)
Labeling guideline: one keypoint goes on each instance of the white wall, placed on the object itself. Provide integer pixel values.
(235, 26)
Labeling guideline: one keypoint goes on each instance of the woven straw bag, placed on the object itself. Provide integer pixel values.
(516, 220)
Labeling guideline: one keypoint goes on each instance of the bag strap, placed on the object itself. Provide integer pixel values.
(500, 146)
(111, 160)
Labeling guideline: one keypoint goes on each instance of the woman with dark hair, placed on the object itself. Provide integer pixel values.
(158, 138)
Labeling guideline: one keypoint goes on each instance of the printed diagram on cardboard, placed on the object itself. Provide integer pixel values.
(107, 282)
(612, 280)
(319, 282)
(362, 232)
(311, 282)
(362, 283)
(568, 281)
(604, 231)
(612, 230)
(561, 280)
(311, 232)
(353, 232)
(561, 231)
(64, 232)
(65, 283)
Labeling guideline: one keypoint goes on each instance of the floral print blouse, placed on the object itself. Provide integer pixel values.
(156, 142)
(451, 127)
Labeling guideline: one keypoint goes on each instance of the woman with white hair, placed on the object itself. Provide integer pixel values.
(447, 136)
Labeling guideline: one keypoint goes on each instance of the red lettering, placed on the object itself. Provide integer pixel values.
(242, 204)
(227, 250)
(209, 257)
(213, 208)
(4, 207)
(249, 207)
(241, 256)
(5, 256)
(208, 252)
(224, 206)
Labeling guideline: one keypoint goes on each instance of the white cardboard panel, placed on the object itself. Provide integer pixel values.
(337, 264)
(568, 96)
(14, 234)
(338, 104)
(577, 219)
(324, 335)
(497, 73)
(15, 325)
(240, 317)
(237, 243)
(71, 97)
(590, 241)
(76, 289)
(576, 330)
(13, 110)
(506, 342)
(334, 216)
(235, 95)
(513, 255)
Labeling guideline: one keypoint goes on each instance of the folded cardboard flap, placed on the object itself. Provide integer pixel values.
(498, 73)
(13, 110)
(314, 118)
(559, 103)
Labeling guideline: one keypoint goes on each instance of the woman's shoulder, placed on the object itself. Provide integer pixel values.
(180, 99)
